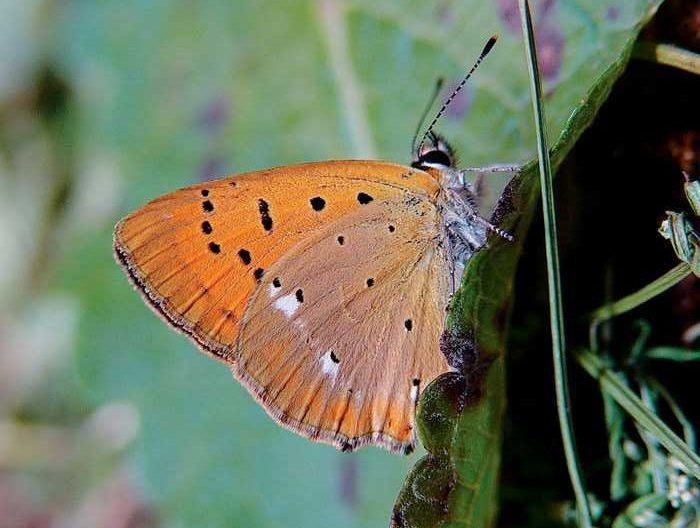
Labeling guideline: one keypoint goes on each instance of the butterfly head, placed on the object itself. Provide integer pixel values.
(435, 153)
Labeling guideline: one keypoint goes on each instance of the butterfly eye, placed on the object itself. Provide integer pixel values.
(435, 157)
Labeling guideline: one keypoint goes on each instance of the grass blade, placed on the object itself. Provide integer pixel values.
(553, 279)
(660, 285)
(613, 385)
(668, 54)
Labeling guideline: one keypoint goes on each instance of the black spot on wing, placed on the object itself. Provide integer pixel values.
(276, 282)
(214, 247)
(299, 294)
(258, 273)
(364, 198)
(206, 228)
(205, 192)
(408, 323)
(317, 203)
(341, 240)
(244, 255)
(265, 217)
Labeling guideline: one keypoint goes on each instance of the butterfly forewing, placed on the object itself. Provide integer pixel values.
(321, 284)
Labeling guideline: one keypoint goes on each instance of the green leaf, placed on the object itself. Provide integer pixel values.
(643, 512)
(168, 92)
(673, 354)
(481, 308)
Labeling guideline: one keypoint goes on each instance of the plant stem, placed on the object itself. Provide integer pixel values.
(688, 430)
(668, 54)
(555, 294)
(660, 285)
(613, 385)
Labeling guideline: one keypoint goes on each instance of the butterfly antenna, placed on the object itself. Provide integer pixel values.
(484, 52)
(436, 91)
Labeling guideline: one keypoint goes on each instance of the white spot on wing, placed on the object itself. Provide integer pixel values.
(287, 304)
(414, 393)
(329, 366)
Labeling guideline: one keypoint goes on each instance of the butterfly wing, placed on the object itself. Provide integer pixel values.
(344, 331)
(206, 258)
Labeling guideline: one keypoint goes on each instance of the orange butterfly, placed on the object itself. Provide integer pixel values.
(326, 303)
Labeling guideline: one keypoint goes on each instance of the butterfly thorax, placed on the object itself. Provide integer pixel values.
(463, 231)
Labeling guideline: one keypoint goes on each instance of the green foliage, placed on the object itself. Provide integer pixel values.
(164, 93)
(663, 485)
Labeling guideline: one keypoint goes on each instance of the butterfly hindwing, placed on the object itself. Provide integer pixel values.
(343, 333)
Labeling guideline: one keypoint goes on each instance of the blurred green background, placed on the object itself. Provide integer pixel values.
(108, 418)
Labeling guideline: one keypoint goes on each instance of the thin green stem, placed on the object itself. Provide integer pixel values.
(613, 385)
(673, 354)
(668, 54)
(555, 293)
(660, 285)
(688, 429)
(656, 458)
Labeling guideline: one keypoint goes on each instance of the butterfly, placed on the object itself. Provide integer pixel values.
(323, 286)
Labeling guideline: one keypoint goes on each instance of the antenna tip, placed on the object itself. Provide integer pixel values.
(489, 44)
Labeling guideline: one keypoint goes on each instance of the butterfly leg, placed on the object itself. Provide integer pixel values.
(472, 192)
(476, 189)
(456, 268)
(496, 167)
(488, 225)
